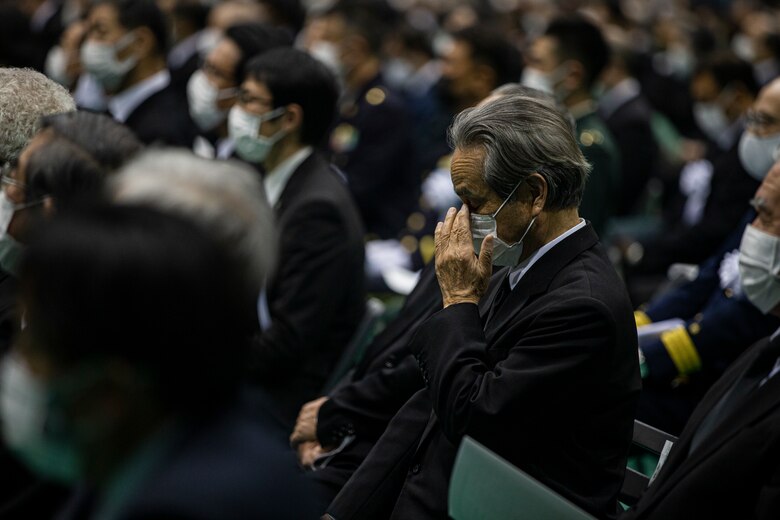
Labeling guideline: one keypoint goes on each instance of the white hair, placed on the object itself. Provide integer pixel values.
(25, 97)
(225, 198)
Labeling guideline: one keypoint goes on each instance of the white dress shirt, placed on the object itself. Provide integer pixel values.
(276, 180)
(520, 269)
(124, 104)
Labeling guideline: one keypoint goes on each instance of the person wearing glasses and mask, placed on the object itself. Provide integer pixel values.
(724, 464)
(316, 297)
(213, 89)
(512, 359)
(125, 50)
(689, 336)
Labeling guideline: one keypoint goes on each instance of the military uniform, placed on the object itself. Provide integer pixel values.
(718, 324)
(599, 148)
(371, 142)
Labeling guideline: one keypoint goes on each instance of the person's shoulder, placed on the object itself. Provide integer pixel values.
(233, 467)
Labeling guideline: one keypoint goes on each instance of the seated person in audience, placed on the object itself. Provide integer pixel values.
(213, 89)
(150, 419)
(724, 464)
(712, 193)
(316, 296)
(553, 331)
(333, 434)
(708, 322)
(125, 51)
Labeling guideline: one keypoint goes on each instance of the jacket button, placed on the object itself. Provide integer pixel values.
(415, 469)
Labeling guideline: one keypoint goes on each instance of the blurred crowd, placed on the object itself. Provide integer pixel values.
(198, 196)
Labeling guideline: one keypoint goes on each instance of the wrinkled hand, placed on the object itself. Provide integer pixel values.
(308, 453)
(463, 277)
(306, 425)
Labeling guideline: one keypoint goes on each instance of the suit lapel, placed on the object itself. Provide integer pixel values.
(296, 181)
(762, 401)
(538, 278)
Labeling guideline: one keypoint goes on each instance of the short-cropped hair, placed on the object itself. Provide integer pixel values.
(26, 96)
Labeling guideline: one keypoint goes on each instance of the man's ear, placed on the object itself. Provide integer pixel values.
(539, 189)
(144, 43)
(575, 75)
(292, 120)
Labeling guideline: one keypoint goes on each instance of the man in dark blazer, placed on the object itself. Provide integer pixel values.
(725, 464)
(125, 51)
(539, 364)
(316, 298)
(354, 415)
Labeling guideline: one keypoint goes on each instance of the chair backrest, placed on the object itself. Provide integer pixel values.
(360, 340)
(649, 439)
(486, 487)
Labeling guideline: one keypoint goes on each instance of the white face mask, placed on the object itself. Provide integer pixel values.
(483, 225)
(56, 66)
(711, 119)
(244, 130)
(759, 268)
(535, 78)
(30, 429)
(99, 59)
(328, 54)
(202, 97)
(758, 154)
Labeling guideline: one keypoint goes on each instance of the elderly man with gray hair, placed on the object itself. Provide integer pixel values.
(226, 198)
(26, 96)
(537, 362)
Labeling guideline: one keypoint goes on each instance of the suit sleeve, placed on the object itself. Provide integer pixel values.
(768, 503)
(309, 279)
(365, 407)
(471, 397)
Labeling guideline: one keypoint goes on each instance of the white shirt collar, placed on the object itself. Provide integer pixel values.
(123, 104)
(276, 180)
(519, 270)
(618, 96)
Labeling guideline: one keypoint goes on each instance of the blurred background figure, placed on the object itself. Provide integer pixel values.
(156, 423)
(316, 298)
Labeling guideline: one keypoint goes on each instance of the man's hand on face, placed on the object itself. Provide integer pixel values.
(306, 424)
(463, 277)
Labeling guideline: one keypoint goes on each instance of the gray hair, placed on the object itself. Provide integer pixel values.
(521, 136)
(25, 97)
(226, 198)
(516, 89)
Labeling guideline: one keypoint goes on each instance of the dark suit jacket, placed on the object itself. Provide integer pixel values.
(549, 382)
(731, 188)
(630, 126)
(164, 118)
(385, 379)
(228, 466)
(735, 472)
(371, 141)
(317, 297)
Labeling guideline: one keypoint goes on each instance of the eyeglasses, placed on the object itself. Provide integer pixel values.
(5, 176)
(754, 119)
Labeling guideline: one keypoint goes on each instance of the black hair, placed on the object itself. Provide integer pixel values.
(141, 286)
(254, 39)
(415, 40)
(727, 68)
(370, 19)
(580, 40)
(64, 171)
(195, 12)
(286, 13)
(490, 48)
(142, 13)
(293, 76)
(108, 142)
